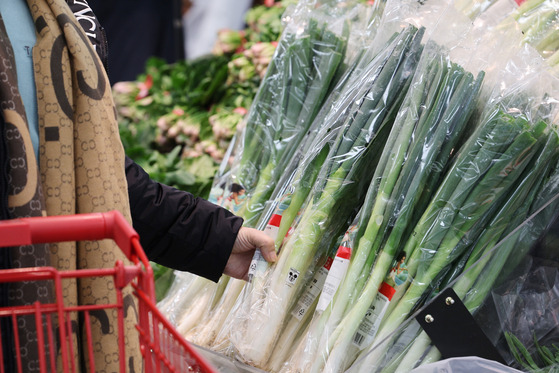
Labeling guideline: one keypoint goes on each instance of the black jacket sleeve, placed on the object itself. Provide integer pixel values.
(177, 229)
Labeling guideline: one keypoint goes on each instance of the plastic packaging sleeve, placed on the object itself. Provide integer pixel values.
(307, 244)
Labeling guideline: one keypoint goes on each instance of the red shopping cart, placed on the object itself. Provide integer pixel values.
(162, 348)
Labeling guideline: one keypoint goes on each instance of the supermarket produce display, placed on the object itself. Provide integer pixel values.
(392, 149)
(177, 120)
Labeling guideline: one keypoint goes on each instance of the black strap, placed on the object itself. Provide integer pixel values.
(453, 330)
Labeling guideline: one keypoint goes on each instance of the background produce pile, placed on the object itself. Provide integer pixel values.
(177, 119)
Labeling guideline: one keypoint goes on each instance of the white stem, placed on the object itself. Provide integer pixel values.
(267, 326)
(304, 355)
(221, 312)
(185, 293)
(194, 314)
(413, 355)
(289, 339)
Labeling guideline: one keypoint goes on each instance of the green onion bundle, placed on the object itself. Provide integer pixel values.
(291, 95)
(484, 196)
(430, 125)
(485, 262)
(337, 194)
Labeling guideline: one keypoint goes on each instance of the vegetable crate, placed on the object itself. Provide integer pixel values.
(162, 348)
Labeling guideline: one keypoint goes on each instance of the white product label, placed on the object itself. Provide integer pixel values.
(335, 276)
(292, 277)
(369, 326)
(254, 263)
(311, 293)
(258, 263)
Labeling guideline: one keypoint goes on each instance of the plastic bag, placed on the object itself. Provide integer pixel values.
(335, 329)
(465, 365)
(273, 132)
(491, 300)
(527, 310)
(307, 59)
(457, 231)
(335, 196)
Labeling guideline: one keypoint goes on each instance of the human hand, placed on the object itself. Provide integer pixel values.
(248, 240)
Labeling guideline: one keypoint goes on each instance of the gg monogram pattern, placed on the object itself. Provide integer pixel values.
(81, 170)
(25, 199)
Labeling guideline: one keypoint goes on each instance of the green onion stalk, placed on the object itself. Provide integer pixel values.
(538, 22)
(289, 200)
(300, 316)
(337, 195)
(202, 293)
(213, 323)
(289, 97)
(181, 295)
(339, 103)
(408, 46)
(331, 114)
(492, 138)
(261, 113)
(344, 75)
(310, 64)
(484, 174)
(298, 178)
(302, 356)
(527, 7)
(473, 8)
(312, 154)
(345, 100)
(430, 124)
(497, 244)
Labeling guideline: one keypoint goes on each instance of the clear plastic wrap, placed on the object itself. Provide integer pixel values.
(335, 196)
(218, 192)
(536, 22)
(473, 8)
(181, 295)
(527, 310)
(432, 181)
(214, 333)
(439, 102)
(465, 365)
(505, 299)
(274, 131)
(539, 22)
(474, 231)
(312, 235)
(304, 68)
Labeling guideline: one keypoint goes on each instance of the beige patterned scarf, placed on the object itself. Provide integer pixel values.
(81, 168)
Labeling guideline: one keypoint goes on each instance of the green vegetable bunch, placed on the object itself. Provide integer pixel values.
(545, 359)
(264, 23)
(177, 120)
(501, 176)
(539, 22)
